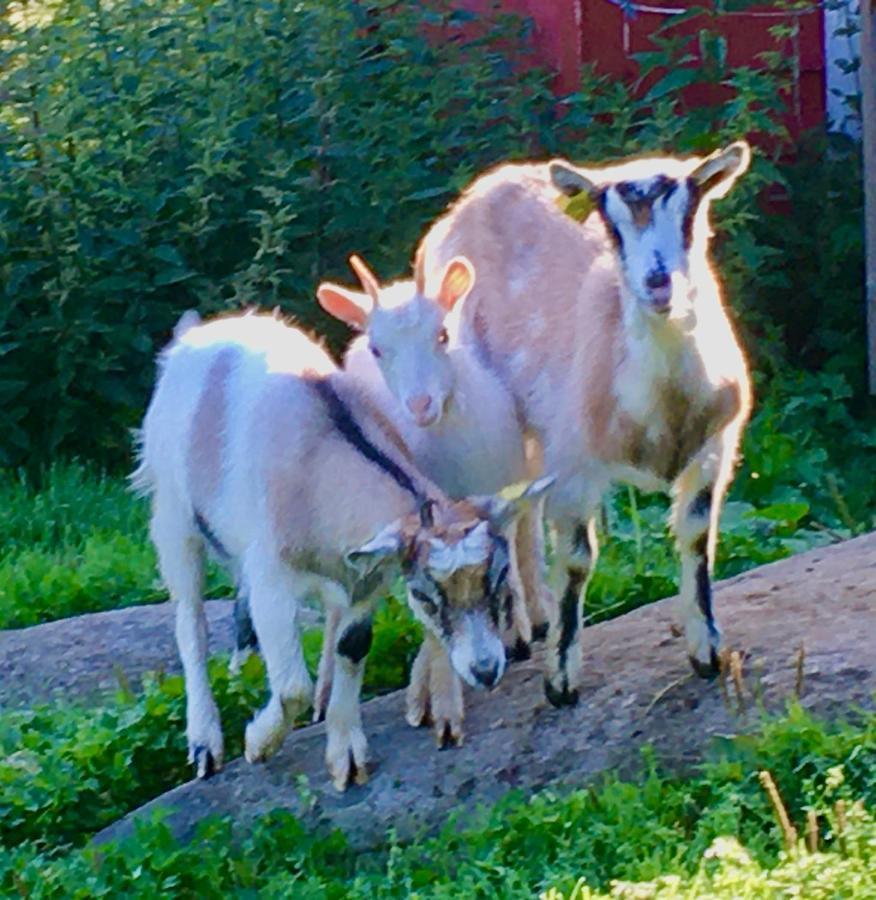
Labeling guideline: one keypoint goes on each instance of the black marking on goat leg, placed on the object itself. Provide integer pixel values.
(707, 670)
(701, 505)
(520, 652)
(209, 763)
(569, 613)
(704, 594)
(244, 633)
(563, 696)
(540, 631)
(701, 545)
(343, 420)
(355, 642)
(209, 536)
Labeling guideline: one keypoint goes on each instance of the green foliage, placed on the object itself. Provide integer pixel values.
(66, 772)
(75, 543)
(664, 832)
(159, 156)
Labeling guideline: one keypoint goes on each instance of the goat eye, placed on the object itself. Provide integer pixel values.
(442, 337)
(375, 352)
(429, 606)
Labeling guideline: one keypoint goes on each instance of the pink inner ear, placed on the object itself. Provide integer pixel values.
(457, 282)
(347, 306)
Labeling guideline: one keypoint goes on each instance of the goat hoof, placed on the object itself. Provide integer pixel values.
(540, 631)
(449, 736)
(205, 765)
(520, 652)
(709, 670)
(560, 697)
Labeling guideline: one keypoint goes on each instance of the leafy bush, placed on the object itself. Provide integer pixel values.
(161, 156)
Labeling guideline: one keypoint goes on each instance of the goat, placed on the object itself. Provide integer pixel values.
(611, 335)
(256, 447)
(460, 424)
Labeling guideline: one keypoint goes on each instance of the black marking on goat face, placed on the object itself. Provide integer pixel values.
(435, 603)
(616, 239)
(640, 198)
(570, 612)
(494, 581)
(355, 642)
(702, 503)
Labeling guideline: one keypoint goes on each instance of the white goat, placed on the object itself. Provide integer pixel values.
(611, 335)
(256, 447)
(460, 424)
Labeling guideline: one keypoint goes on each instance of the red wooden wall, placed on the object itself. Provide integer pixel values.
(569, 32)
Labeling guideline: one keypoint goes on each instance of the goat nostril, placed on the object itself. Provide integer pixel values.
(657, 279)
(486, 673)
(419, 404)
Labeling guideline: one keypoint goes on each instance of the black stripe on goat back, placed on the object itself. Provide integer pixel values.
(349, 428)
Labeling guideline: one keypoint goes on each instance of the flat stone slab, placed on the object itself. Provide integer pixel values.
(638, 689)
(83, 657)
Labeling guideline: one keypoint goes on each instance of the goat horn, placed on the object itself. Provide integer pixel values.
(420, 272)
(366, 277)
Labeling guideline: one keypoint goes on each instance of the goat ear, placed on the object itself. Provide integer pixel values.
(570, 181)
(511, 502)
(716, 173)
(458, 280)
(382, 548)
(348, 306)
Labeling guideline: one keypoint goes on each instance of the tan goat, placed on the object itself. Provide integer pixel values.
(611, 335)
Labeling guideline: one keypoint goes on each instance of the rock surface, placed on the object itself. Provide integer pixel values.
(83, 657)
(638, 689)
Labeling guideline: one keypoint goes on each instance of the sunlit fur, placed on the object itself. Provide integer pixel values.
(239, 449)
(475, 445)
(610, 388)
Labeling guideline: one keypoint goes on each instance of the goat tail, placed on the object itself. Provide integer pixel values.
(141, 481)
(188, 320)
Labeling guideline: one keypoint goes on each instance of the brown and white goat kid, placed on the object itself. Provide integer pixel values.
(255, 447)
(461, 425)
(612, 337)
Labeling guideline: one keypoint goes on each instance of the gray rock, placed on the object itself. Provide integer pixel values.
(638, 689)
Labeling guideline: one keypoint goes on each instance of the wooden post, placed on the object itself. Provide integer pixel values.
(868, 108)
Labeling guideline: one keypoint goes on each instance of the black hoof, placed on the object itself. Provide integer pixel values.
(446, 741)
(205, 765)
(709, 670)
(540, 632)
(519, 652)
(560, 698)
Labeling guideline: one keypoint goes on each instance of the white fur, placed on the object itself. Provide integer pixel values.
(237, 435)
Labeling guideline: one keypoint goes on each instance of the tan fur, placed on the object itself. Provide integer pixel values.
(206, 451)
(549, 318)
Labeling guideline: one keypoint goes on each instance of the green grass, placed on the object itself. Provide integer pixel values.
(713, 834)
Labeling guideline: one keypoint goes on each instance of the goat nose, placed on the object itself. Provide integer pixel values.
(657, 279)
(419, 404)
(485, 672)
